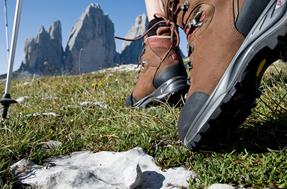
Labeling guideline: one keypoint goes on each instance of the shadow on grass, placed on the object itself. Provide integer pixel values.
(259, 138)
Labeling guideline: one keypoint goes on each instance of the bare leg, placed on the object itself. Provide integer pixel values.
(152, 7)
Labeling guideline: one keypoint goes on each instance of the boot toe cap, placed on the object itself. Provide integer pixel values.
(130, 101)
(189, 133)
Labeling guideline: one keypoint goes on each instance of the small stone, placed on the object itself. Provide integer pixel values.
(26, 83)
(89, 104)
(22, 100)
(221, 186)
(23, 168)
(178, 176)
(53, 114)
(46, 114)
(50, 145)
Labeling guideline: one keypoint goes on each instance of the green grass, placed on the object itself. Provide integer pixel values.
(256, 156)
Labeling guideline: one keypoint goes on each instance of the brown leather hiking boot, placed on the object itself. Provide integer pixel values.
(212, 37)
(162, 71)
(216, 29)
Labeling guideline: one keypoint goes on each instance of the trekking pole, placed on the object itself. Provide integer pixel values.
(6, 100)
(6, 28)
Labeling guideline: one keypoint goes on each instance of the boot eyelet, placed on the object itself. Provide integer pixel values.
(185, 5)
(197, 21)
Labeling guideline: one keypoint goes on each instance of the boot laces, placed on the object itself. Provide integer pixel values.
(174, 39)
(164, 21)
(174, 10)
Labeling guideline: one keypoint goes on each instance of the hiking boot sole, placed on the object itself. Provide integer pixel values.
(175, 86)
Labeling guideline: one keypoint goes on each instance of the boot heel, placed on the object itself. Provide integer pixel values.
(171, 91)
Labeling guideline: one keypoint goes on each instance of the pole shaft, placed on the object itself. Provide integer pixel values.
(6, 28)
(13, 44)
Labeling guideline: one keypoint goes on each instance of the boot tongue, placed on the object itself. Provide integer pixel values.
(163, 31)
(159, 41)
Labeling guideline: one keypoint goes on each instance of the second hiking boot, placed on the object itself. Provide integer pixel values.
(162, 73)
(224, 36)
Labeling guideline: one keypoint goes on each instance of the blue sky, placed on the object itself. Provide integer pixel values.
(36, 13)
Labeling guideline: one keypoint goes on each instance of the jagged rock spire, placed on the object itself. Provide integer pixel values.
(44, 53)
(91, 45)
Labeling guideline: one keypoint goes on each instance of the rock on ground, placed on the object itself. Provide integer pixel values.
(221, 186)
(22, 100)
(85, 170)
(120, 68)
(224, 186)
(50, 145)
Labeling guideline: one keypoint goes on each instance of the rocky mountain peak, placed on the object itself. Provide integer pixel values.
(130, 51)
(55, 31)
(93, 6)
(138, 28)
(91, 44)
(90, 47)
(44, 53)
